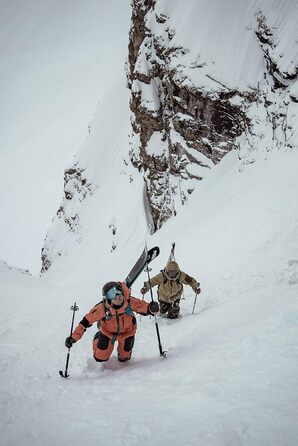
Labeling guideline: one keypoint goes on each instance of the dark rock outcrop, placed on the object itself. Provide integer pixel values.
(178, 129)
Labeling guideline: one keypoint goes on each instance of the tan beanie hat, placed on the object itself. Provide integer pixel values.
(172, 266)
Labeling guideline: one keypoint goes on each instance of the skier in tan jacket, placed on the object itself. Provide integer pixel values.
(170, 283)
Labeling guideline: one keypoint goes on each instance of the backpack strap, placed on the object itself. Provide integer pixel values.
(128, 309)
(129, 312)
(109, 315)
(163, 271)
(178, 278)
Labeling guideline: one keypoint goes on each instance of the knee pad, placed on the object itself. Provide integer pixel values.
(102, 341)
(129, 343)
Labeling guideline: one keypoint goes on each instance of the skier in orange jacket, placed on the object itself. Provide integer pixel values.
(116, 322)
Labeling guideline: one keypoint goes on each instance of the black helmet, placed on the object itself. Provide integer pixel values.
(111, 289)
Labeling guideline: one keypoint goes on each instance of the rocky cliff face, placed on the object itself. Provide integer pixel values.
(193, 99)
(273, 114)
(76, 189)
(181, 129)
(178, 130)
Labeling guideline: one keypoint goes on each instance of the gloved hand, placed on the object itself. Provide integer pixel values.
(143, 290)
(69, 341)
(153, 308)
(198, 290)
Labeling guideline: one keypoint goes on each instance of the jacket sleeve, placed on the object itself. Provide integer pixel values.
(88, 320)
(156, 280)
(188, 280)
(139, 306)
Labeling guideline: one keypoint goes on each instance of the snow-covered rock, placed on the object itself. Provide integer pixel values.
(206, 79)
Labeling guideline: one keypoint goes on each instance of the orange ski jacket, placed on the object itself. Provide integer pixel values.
(115, 323)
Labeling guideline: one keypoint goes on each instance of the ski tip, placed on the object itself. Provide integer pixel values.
(154, 252)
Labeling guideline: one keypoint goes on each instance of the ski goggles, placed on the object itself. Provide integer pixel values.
(172, 273)
(113, 293)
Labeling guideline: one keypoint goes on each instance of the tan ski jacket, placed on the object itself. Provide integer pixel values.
(170, 290)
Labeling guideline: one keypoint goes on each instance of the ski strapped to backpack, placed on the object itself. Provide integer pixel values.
(141, 264)
(172, 253)
(144, 260)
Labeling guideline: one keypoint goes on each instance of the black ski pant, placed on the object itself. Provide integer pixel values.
(172, 309)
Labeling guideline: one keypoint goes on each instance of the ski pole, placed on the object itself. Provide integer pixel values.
(74, 308)
(161, 351)
(194, 304)
(140, 314)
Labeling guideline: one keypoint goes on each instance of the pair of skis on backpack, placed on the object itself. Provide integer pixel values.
(141, 265)
(146, 257)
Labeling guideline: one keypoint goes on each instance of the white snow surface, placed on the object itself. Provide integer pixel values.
(216, 32)
(58, 58)
(230, 376)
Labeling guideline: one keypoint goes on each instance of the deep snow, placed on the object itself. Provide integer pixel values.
(230, 374)
(230, 377)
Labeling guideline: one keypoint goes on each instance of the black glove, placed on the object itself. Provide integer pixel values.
(153, 308)
(69, 341)
(198, 289)
(143, 290)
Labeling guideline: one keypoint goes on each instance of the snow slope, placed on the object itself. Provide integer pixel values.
(230, 375)
(57, 59)
(216, 32)
(102, 222)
